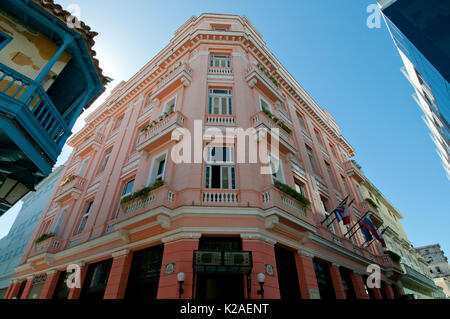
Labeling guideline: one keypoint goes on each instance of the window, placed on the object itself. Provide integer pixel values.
(319, 138)
(345, 185)
(312, 160)
(128, 187)
(359, 192)
(301, 122)
(264, 105)
(220, 61)
(327, 213)
(60, 221)
(4, 39)
(299, 188)
(158, 168)
(330, 173)
(220, 102)
(276, 168)
(221, 176)
(105, 161)
(84, 218)
(170, 106)
(118, 123)
(83, 167)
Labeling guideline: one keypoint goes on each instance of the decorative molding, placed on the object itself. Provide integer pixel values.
(305, 253)
(124, 235)
(164, 221)
(52, 272)
(272, 221)
(258, 237)
(179, 236)
(120, 253)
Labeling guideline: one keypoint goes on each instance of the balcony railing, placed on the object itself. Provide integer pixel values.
(71, 187)
(222, 262)
(51, 246)
(220, 71)
(221, 196)
(38, 113)
(418, 276)
(220, 120)
(177, 75)
(262, 118)
(266, 83)
(91, 142)
(273, 197)
(160, 129)
(353, 170)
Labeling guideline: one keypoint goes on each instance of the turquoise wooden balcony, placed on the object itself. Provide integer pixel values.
(25, 101)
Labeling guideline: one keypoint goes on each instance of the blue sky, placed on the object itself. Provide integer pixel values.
(349, 69)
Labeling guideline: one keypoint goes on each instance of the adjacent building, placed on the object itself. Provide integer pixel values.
(133, 217)
(417, 280)
(48, 76)
(438, 266)
(421, 32)
(13, 245)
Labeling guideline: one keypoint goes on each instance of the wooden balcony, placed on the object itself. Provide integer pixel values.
(262, 121)
(159, 132)
(71, 188)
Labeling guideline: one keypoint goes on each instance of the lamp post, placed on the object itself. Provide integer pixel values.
(181, 277)
(261, 278)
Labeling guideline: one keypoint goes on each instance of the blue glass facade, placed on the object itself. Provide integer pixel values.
(421, 31)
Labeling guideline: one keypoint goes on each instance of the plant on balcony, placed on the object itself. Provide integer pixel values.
(141, 193)
(356, 164)
(395, 257)
(44, 237)
(148, 126)
(372, 203)
(293, 193)
(68, 180)
(270, 76)
(279, 122)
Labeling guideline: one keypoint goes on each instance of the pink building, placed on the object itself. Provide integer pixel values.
(220, 222)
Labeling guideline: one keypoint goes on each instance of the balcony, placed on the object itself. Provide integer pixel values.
(354, 171)
(92, 143)
(222, 120)
(273, 197)
(220, 197)
(71, 187)
(262, 120)
(219, 72)
(25, 101)
(161, 196)
(159, 132)
(258, 77)
(418, 277)
(48, 246)
(180, 74)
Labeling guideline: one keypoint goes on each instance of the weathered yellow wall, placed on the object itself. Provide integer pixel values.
(29, 51)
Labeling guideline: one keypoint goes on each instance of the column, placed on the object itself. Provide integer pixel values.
(178, 251)
(118, 276)
(337, 281)
(75, 292)
(27, 289)
(53, 60)
(13, 289)
(377, 293)
(307, 275)
(263, 252)
(50, 285)
(388, 291)
(358, 285)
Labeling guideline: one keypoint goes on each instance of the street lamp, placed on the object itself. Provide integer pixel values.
(181, 277)
(261, 278)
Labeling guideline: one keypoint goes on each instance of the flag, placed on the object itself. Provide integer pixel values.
(368, 224)
(366, 232)
(346, 214)
(339, 211)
